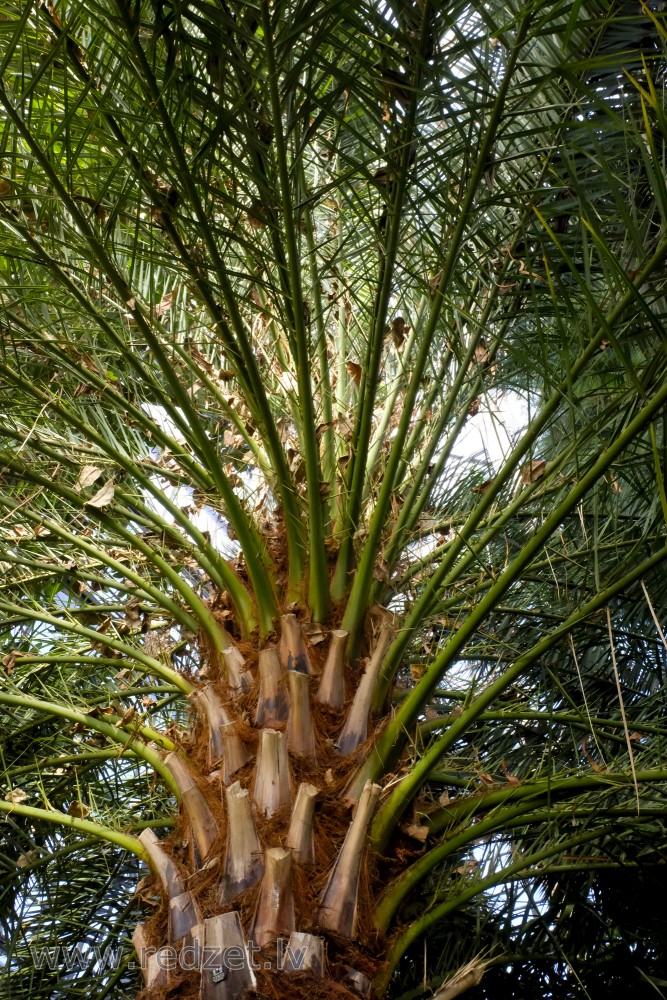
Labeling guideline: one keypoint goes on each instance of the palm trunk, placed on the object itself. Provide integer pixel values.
(268, 879)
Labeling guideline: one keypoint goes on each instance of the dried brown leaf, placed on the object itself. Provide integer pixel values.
(533, 471)
(354, 371)
(17, 796)
(78, 809)
(24, 860)
(103, 497)
(417, 832)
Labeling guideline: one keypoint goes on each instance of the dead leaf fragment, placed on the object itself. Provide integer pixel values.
(78, 809)
(165, 303)
(17, 795)
(88, 475)
(24, 860)
(398, 331)
(468, 867)
(354, 371)
(381, 571)
(8, 662)
(103, 497)
(483, 487)
(489, 170)
(417, 832)
(482, 353)
(314, 632)
(127, 717)
(533, 471)
(511, 778)
(146, 892)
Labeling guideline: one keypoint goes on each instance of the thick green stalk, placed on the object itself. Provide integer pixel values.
(559, 718)
(84, 575)
(363, 579)
(257, 560)
(534, 791)
(419, 494)
(422, 419)
(222, 401)
(461, 541)
(96, 830)
(241, 351)
(111, 732)
(205, 554)
(64, 357)
(437, 913)
(417, 498)
(67, 758)
(505, 809)
(329, 439)
(393, 738)
(249, 377)
(143, 662)
(204, 616)
(318, 582)
(399, 584)
(341, 325)
(361, 438)
(83, 657)
(219, 571)
(390, 402)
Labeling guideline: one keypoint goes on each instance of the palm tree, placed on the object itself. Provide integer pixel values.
(277, 647)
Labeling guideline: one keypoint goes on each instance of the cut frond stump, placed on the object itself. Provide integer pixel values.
(222, 978)
(293, 652)
(271, 791)
(305, 953)
(338, 904)
(300, 732)
(273, 703)
(184, 916)
(300, 837)
(464, 979)
(235, 756)
(162, 864)
(243, 861)
(239, 678)
(361, 984)
(155, 968)
(154, 975)
(202, 822)
(275, 906)
(355, 730)
(207, 702)
(331, 691)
